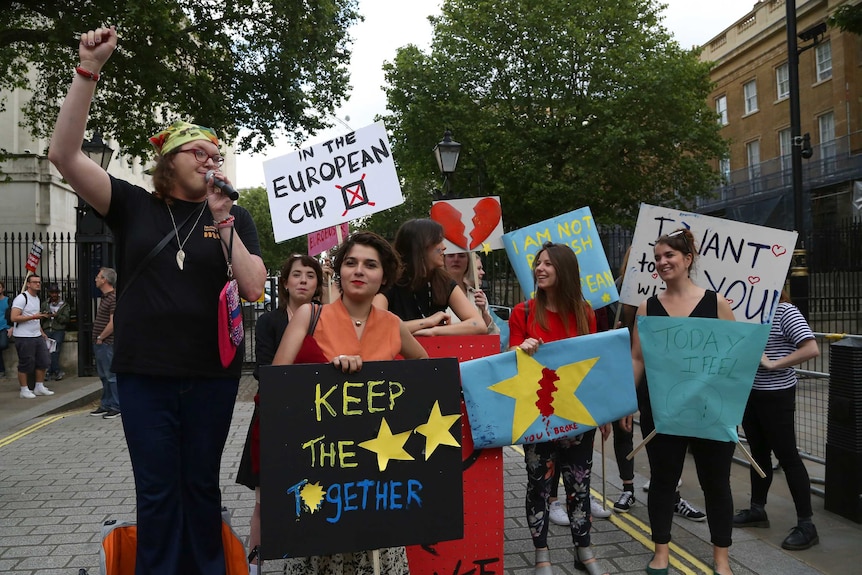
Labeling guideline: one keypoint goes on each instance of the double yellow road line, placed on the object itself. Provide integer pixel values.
(36, 426)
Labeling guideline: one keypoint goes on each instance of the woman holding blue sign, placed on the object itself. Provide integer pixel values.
(675, 254)
(558, 311)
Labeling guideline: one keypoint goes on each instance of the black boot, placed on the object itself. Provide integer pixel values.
(753, 517)
(801, 537)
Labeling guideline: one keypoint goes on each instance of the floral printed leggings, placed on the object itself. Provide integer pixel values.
(575, 458)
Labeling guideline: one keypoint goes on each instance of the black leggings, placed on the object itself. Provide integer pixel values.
(769, 425)
(712, 460)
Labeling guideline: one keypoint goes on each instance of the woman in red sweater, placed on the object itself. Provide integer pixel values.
(558, 311)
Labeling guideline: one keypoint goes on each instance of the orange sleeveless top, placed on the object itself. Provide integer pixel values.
(335, 334)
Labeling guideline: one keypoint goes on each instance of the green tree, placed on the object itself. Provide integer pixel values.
(558, 104)
(255, 201)
(848, 19)
(266, 67)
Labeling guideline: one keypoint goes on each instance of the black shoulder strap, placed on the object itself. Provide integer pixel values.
(153, 252)
(316, 308)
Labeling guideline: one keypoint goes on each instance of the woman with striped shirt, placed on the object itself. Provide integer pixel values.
(769, 423)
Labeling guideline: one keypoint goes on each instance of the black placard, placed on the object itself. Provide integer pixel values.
(314, 422)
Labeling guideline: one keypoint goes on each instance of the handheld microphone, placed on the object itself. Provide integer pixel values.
(225, 187)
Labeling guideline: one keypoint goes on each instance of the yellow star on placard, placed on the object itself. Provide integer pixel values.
(486, 248)
(606, 298)
(525, 386)
(436, 431)
(388, 446)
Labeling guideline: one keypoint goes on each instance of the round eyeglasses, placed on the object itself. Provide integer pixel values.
(202, 157)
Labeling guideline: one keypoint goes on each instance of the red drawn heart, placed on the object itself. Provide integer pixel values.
(730, 301)
(655, 275)
(753, 279)
(778, 251)
(450, 218)
(488, 214)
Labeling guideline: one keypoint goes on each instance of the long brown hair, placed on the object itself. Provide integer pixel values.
(164, 177)
(412, 241)
(568, 295)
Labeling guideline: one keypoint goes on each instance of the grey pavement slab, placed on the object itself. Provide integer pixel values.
(62, 473)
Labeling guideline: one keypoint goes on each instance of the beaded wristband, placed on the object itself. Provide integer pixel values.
(225, 223)
(94, 76)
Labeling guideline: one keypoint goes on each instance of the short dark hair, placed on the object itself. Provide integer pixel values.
(389, 260)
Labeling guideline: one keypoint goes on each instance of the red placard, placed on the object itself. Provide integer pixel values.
(481, 549)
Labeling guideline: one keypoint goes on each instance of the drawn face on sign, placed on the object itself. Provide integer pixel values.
(361, 272)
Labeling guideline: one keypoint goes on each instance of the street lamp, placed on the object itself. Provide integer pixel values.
(446, 153)
(800, 149)
(94, 249)
(98, 151)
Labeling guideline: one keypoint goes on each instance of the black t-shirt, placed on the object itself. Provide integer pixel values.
(166, 324)
(410, 305)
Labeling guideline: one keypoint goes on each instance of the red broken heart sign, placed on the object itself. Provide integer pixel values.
(487, 214)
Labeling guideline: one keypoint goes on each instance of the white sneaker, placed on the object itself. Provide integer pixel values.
(42, 390)
(26, 393)
(678, 484)
(596, 509)
(558, 513)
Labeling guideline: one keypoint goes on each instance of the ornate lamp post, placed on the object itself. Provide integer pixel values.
(94, 249)
(446, 152)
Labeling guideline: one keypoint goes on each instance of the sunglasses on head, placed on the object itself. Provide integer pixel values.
(681, 232)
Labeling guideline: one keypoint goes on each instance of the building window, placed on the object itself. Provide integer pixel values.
(752, 152)
(721, 109)
(824, 60)
(750, 93)
(785, 151)
(828, 149)
(782, 81)
(724, 170)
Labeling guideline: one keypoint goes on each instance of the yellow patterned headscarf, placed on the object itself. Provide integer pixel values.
(180, 133)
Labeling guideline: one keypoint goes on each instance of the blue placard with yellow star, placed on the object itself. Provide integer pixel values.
(576, 229)
(567, 388)
(360, 461)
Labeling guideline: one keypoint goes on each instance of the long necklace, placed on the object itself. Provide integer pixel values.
(181, 255)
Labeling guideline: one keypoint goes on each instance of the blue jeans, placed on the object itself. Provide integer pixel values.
(104, 358)
(176, 430)
(59, 336)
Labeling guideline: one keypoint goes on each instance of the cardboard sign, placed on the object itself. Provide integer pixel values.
(470, 224)
(480, 552)
(34, 257)
(577, 230)
(337, 181)
(323, 240)
(747, 264)
(360, 461)
(567, 388)
(700, 372)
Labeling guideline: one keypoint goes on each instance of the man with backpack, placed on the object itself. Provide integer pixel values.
(30, 340)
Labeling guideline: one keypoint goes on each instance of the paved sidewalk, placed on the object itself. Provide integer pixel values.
(62, 473)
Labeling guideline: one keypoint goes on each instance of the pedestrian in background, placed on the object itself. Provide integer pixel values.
(103, 344)
(59, 314)
(30, 340)
(5, 328)
(770, 424)
(177, 398)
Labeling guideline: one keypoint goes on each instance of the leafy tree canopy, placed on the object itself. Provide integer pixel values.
(848, 19)
(268, 67)
(558, 104)
(255, 201)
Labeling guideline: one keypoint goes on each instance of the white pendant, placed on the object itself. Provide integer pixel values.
(181, 257)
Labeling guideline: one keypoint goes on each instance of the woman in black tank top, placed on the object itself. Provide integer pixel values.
(674, 257)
